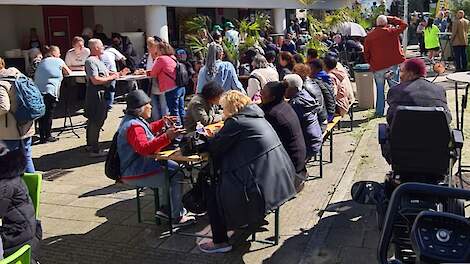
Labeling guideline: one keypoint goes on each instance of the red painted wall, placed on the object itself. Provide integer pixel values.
(75, 24)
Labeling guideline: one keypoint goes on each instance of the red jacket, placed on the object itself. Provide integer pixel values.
(382, 47)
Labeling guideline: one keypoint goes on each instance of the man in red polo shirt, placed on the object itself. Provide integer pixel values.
(383, 51)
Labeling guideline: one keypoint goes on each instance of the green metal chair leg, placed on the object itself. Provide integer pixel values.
(139, 215)
(156, 200)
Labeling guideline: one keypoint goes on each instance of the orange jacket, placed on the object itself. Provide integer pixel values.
(382, 47)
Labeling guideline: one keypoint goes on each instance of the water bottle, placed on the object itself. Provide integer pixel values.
(200, 128)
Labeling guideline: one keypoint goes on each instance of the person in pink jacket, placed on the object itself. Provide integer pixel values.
(164, 70)
(339, 81)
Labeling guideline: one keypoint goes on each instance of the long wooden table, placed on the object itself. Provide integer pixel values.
(177, 156)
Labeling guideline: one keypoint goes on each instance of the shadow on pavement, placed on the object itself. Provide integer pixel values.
(113, 188)
(121, 239)
(68, 159)
(347, 234)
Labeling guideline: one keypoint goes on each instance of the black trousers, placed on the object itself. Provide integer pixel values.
(460, 58)
(45, 122)
(218, 227)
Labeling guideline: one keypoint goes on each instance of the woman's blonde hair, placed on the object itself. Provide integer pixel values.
(233, 102)
(2, 63)
(151, 42)
(49, 49)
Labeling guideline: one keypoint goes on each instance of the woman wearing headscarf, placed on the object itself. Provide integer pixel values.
(222, 72)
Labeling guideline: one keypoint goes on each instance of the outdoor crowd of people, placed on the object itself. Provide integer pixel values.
(272, 126)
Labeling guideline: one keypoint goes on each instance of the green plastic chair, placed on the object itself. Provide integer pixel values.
(21, 256)
(33, 181)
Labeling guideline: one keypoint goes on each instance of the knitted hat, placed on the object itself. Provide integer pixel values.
(136, 99)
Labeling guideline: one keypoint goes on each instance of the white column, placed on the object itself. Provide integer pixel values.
(156, 21)
(279, 16)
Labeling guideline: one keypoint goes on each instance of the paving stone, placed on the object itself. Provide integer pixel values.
(94, 202)
(57, 226)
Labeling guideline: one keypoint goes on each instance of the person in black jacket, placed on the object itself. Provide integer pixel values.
(323, 80)
(19, 224)
(254, 174)
(414, 90)
(124, 45)
(314, 89)
(286, 124)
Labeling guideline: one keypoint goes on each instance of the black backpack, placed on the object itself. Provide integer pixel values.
(112, 165)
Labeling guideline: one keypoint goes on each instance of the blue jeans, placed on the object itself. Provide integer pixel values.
(175, 102)
(15, 144)
(159, 108)
(379, 77)
(460, 58)
(161, 182)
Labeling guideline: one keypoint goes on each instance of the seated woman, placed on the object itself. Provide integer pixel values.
(339, 81)
(286, 124)
(19, 224)
(202, 107)
(255, 174)
(137, 141)
(304, 106)
(259, 77)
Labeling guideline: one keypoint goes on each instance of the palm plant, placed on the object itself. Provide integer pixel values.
(264, 21)
(315, 30)
(197, 33)
(306, 3)
(198, 24)
(230, 50)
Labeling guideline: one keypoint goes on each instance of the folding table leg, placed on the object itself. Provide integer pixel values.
(331, 146)
(321, 161)
(276, 226)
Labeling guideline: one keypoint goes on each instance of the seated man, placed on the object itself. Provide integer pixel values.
(202, 107)
(286, 124)
(304, 106)
(414, 90)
